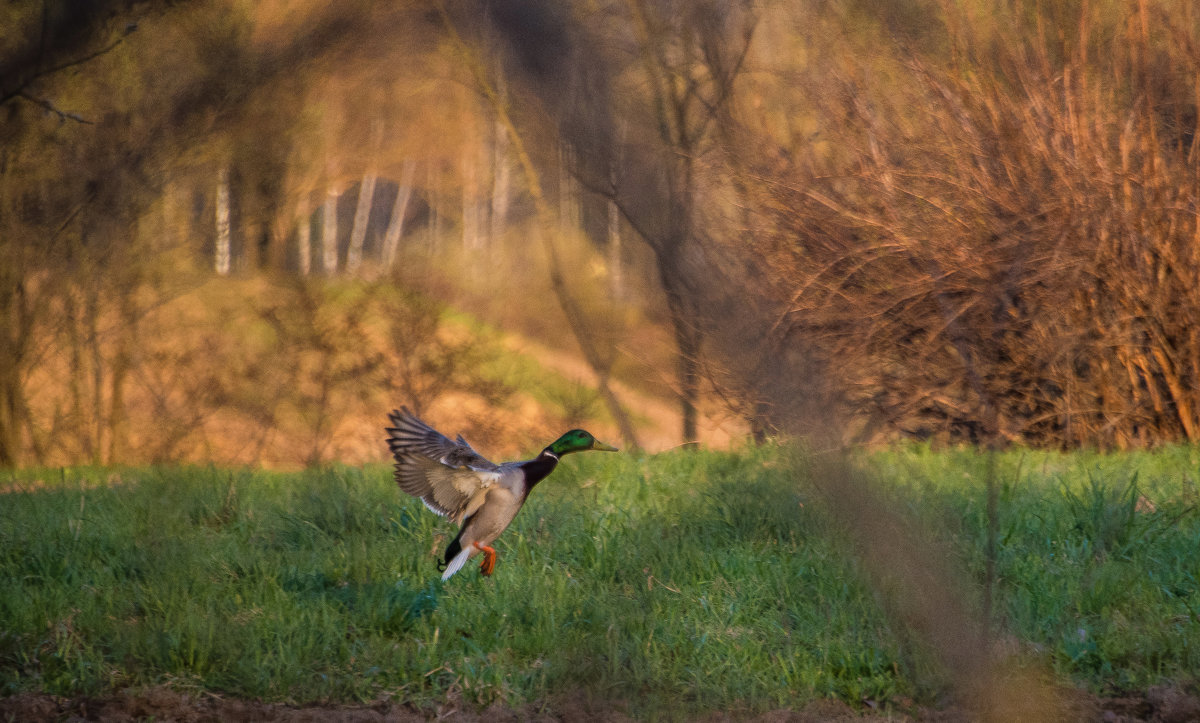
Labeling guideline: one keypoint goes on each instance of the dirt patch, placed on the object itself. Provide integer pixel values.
(1159, 704)
(161, 704)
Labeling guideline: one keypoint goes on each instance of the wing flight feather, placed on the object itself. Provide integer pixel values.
(446, 475)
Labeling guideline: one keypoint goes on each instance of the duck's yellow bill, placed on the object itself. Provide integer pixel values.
(602, 447)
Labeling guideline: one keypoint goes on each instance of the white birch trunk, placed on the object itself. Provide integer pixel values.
(224, 251)
(391, 239)
(329, 242)
(362, 217)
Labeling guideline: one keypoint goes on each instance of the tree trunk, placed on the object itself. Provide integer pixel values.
(118, 427)
(304, 242)
(616, 268)
(329, 240)
(362, 218)
(10, 406)
(391, 239)
(501, 182)
(435, 213)
(18, 315)
(12, 349)
(76, 373)
(224, 250)
(616, 275)
(568, 197)
(96, 427)
(687, 343)
(471, 226)
(670, 253)
(278, 227)
(600, 363)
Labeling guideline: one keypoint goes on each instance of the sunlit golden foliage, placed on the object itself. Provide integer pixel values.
(279, 373)
(979, 218)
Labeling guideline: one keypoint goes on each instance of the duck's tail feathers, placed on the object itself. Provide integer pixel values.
(455, 564)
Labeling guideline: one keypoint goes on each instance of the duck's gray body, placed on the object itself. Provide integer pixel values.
(455, 481)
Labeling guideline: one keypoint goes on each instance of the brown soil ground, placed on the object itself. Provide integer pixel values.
(1160, 704)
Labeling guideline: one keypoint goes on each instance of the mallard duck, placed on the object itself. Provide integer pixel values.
(455, 481)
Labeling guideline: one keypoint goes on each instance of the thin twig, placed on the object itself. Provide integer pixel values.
(62, 114)
(19, 91)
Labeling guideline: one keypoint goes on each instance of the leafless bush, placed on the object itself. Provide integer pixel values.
(1005, 246)
(284, 371)
(336, 350)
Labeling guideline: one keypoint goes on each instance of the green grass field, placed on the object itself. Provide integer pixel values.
(682, 581)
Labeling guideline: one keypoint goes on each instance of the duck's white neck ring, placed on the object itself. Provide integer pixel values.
(548, 453)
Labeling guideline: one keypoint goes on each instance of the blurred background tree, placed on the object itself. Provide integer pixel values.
(945, 220)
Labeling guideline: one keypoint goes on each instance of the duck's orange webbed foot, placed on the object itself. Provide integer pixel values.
(489, 558)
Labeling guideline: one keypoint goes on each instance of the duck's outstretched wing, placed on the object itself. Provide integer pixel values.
(450, 477)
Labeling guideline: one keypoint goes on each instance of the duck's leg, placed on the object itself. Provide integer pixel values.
(489, 558)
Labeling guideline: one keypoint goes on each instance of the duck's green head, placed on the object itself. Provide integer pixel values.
(578, 440)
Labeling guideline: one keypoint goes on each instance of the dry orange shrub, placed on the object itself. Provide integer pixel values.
(1004, 246)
